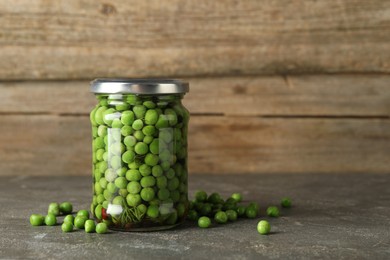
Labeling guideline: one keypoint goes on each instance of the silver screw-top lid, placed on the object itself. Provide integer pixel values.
(139, 86)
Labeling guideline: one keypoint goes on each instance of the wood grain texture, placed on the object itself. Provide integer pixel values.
(83, 39)
(60, 145)
(310, 95)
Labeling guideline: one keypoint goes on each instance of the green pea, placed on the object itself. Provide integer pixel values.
(116, 149)
(121, 182)
(193, 215)
(102, 130)
(133, 200)
(152, 211)
(200, 196)
(139, 111)
(286, 202)
(172, 219)
(133, 175)
(100, 198)
(122, 107)
(220, 217)
(170, 173)
(127, 130)
(162, 122)
(166, 134)
(231, 214)
(251, 212)
(165, 165)
(83, 212)
(102, 167)
(121, 172)
(127, 118)
(99, 154)
(206, 209)
(145, 170)
(151, 117)
(148, 139)
(237, 197)
(204, 222)
(130, 141)
(97, 188)
(79, 221)
(50, 219)
(110, 175)
(135, 164)
(149, 104)
(118, 200)
(123, 192)
(37, 220)
(273, 211)
(147, 194)
(173, 184)
(92, 116)
(175, 196)
(69, 218)
(263, 227)
(108, 195)
(67, 227)
(101, 228)
(134, 187)
(108, 116)
(139, 136)
(154, 146)
(142, 208)
(89, 226)
(241, 210)
(148, 181)
(54, 208)
(151, 159)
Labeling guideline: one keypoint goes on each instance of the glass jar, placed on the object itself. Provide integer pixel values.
(139, 129)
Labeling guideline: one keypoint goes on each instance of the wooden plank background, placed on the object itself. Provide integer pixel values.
(276, 86)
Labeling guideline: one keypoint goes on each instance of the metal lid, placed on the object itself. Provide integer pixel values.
(138, 86)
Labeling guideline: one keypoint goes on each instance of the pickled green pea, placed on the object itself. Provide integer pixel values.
(99, 115)
(122, 107)
(148, 139)
(141, 148)
(117, 148)
(137, 124)
(162, 182)
(98, 211)
(171, 115)
(175, 196)
(220, 217)
(98, 143)
(142, 208)
(100, 198)
(151, 159)
(273, 211)
(162, 122)
(99, 154)
(79, 221)
(116, 162)
(286, 202)
(127, 118)
(166, 135)
(37, 219)
(102, 167)
(173, 184)
(157, 171)
(133, 200)
(134, 187)
(110, 175)
(152, 211)
(163, 194)
(172, 219)
(92, 116)
(149, 130)
(263, 227)
(102, 130)
(130, 141)
(128, 156)
(139, 136)
(111, 187)
(108, 116)
(54, 208)
(145, 170)
(147, 194)
(154, 146)
(170, 173)
(89, 226)
(116, 123)
(148, 181)
(165, 165)
(121, 172)
(121, 182)
(101, 228)
(204, 222)
(133, 175)
(151, 117)
(67, 227)
(66, 208)
(127, 130)
(135, 164)
(149, 104)
(118, 200)
(139, 111)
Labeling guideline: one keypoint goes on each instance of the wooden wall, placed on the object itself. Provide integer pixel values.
(276, 86)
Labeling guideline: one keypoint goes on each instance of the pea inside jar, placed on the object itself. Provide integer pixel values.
(139, 147)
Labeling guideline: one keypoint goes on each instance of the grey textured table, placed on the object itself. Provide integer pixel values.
(334, 217)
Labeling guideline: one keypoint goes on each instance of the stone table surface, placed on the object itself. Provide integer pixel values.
(334, 217)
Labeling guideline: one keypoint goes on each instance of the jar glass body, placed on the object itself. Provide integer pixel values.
(139, 161)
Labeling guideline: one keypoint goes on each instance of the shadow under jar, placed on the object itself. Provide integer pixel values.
(139, 129)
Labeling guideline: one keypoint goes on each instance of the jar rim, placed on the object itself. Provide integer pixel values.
(141, 86)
